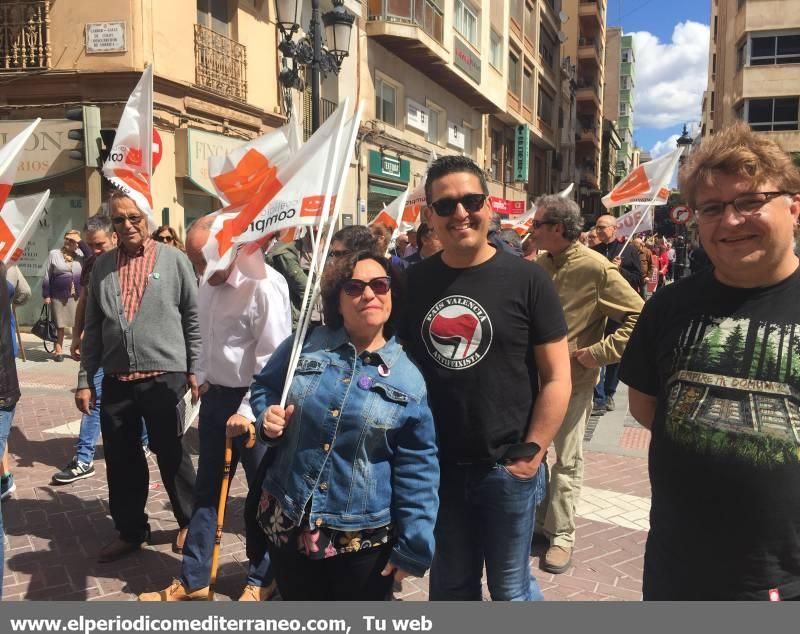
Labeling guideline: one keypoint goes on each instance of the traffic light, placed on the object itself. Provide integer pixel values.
(107, 135)
(88, 134)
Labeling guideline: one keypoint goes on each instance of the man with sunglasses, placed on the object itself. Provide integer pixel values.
(488, 332)
(142, 330)
(592, 291)
(712, 366)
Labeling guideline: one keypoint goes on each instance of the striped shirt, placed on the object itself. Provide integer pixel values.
(134, 271)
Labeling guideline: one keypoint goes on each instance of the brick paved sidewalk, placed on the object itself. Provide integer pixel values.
(55, 532)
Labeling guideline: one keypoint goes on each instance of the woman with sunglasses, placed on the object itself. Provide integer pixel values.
(349, 497)
(61, 285)
(167, 235)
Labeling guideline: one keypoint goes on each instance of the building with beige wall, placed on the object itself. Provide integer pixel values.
(618, 92)
(477, 77)
(215, 66)
(754, 69)
(585, 42)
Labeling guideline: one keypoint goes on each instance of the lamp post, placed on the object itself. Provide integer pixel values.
(681, 247)
(308, 51)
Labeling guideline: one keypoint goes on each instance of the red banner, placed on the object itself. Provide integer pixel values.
(506, 207)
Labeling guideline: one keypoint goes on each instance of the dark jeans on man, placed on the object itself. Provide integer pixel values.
(217, 406)
(609, 375)
(125, 405)
(347, 577)
(486, 516)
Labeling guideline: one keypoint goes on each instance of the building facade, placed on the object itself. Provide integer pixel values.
(754, 69)
(585, 41)
(618, 97)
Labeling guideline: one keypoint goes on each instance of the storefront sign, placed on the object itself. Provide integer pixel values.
(46, 153)
(455, 135)
(417, 116)
(194, 147)
(388, 166)
(506, 207)
(521, 153)
(465, 59)
(105, 37)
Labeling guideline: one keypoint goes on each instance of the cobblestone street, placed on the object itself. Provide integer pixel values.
(55, 532)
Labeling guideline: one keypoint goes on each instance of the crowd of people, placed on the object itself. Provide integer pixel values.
(413, 434)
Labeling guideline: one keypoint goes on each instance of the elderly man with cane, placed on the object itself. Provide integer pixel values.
(242, 321)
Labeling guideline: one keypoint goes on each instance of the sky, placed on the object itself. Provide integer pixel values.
(671, 47)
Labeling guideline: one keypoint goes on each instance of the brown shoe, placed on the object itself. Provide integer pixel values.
(557, 559)
(117, 549)
(176, 592)
(257, 593)
(177, 547)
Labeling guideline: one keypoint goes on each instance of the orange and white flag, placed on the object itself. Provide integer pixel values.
(415, 203)
(391, 215)
(19, 218)
(130, 163)
(281, 193)
(647, 183)
(10, 155)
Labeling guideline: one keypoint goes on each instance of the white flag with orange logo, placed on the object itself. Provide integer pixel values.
(648, 183)
(391, 215)
(10, 155)
(130, 163)
(633, 221)
(286, 193)
(415, 203)
(19, 218)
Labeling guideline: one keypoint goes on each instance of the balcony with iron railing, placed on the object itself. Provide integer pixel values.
(24, 36)
(424, 14)
(326, 109)
(413, 30)
(220, 64)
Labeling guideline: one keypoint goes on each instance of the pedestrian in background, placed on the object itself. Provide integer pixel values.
(61, 285)
(167, 235)
(592, 291)
(9, 395)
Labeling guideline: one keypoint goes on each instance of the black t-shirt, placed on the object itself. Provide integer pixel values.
(473, 331)
(724, 364)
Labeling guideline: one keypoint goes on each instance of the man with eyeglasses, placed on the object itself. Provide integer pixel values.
(712, 366)
(142, 329)
(489, 334)
(592, 291)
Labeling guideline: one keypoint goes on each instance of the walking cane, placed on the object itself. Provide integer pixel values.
(223, 499)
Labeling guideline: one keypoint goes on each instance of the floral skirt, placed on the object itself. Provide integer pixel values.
(314, 543)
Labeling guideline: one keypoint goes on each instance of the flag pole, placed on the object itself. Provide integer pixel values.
(306, 317)
(642, 217)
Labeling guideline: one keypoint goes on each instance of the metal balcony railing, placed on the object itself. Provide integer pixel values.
(24, 36)
(220, 64)
(426, 14)
(326, 109)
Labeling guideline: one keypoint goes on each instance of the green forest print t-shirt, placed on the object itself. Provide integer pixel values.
(724, 364)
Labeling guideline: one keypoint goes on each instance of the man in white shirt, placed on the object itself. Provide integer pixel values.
(243, 318)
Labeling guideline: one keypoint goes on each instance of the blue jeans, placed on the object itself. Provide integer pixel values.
(607, 386)
(486, 515)
(6, 416)
(218, 404)
(90, 426)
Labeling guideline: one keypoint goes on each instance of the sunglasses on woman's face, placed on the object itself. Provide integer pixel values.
(164, 238)
(379, 286)
(470, 202)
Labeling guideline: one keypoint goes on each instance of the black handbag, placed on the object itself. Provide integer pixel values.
(45, 328)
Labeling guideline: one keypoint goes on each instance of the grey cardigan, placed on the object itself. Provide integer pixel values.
(165, 332)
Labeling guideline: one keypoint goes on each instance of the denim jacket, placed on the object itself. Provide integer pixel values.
(360, 444)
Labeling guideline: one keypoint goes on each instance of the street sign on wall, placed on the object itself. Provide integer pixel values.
(521, 153)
